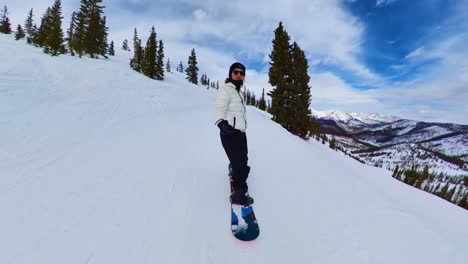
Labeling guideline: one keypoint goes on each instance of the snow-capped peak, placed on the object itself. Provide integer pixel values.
(336, 115)
(341, 116)
(374, 118)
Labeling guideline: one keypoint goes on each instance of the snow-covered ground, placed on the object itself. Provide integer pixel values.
(99, 164)
(405, 156)
(453, 146)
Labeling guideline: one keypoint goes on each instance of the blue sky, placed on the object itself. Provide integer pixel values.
(394, 57)
(396, 29)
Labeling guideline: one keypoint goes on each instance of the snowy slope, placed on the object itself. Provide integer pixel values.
(405, 156)
(451, 146)
(117, 168)
(441, 146)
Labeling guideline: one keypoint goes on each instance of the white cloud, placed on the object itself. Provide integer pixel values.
(384, 2)
(245, 29)
(398, 66)
(415, 53)
(437, 100)
(242, 31)
(441, 94)
(328, 90)
(199, 14)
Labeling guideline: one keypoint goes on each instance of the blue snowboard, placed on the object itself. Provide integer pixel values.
(244, 225)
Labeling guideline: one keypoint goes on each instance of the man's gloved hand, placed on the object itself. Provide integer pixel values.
(225, 128)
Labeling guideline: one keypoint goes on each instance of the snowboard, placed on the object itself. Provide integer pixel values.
(244, 225)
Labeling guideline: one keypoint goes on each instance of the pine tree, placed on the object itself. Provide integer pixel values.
(314, 126)
(41, 35)
(141, 59)
(90, 30)
(54, 34)
(247, 97)
(262, 102)
(149, 68)
(111, 51)
(125, 45)
(31, 39)
(95, 32)
(279, 73)
(133, 62)
(333, 143)
(450, 194)
(192, 69)
(180, 68)
(70, 33)
(201, 79)
(5, 26)
(160, 62)
(396, 171)
(80, 27)
(28, 26)
(291, 94)
(300, 94)
(425, 173)
(168, 65)
(3, 15)
(464, 201)
(138, 52)
(19, 34)
(103, 46)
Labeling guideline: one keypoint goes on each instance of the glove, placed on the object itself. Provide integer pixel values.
(225, 128)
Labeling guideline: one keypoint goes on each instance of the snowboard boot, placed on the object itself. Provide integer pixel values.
(241, 197)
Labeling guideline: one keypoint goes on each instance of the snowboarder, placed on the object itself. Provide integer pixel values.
(230, 116)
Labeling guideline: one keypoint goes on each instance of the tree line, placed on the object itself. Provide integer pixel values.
(148, 60)
(87, 33)
(451, 188)
(5, 25)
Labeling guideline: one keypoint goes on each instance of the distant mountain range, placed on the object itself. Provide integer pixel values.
(387, 141)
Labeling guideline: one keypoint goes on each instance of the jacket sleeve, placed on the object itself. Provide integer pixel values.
(221, 104)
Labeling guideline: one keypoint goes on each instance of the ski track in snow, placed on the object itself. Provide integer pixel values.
(125, 169)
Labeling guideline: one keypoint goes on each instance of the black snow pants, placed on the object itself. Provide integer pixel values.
(235, 145)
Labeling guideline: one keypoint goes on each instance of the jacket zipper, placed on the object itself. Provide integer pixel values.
(245, 110)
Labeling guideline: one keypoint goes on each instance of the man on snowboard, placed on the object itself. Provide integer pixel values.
(230, 116)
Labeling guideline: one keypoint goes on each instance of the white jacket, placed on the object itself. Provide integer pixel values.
(230, 107)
